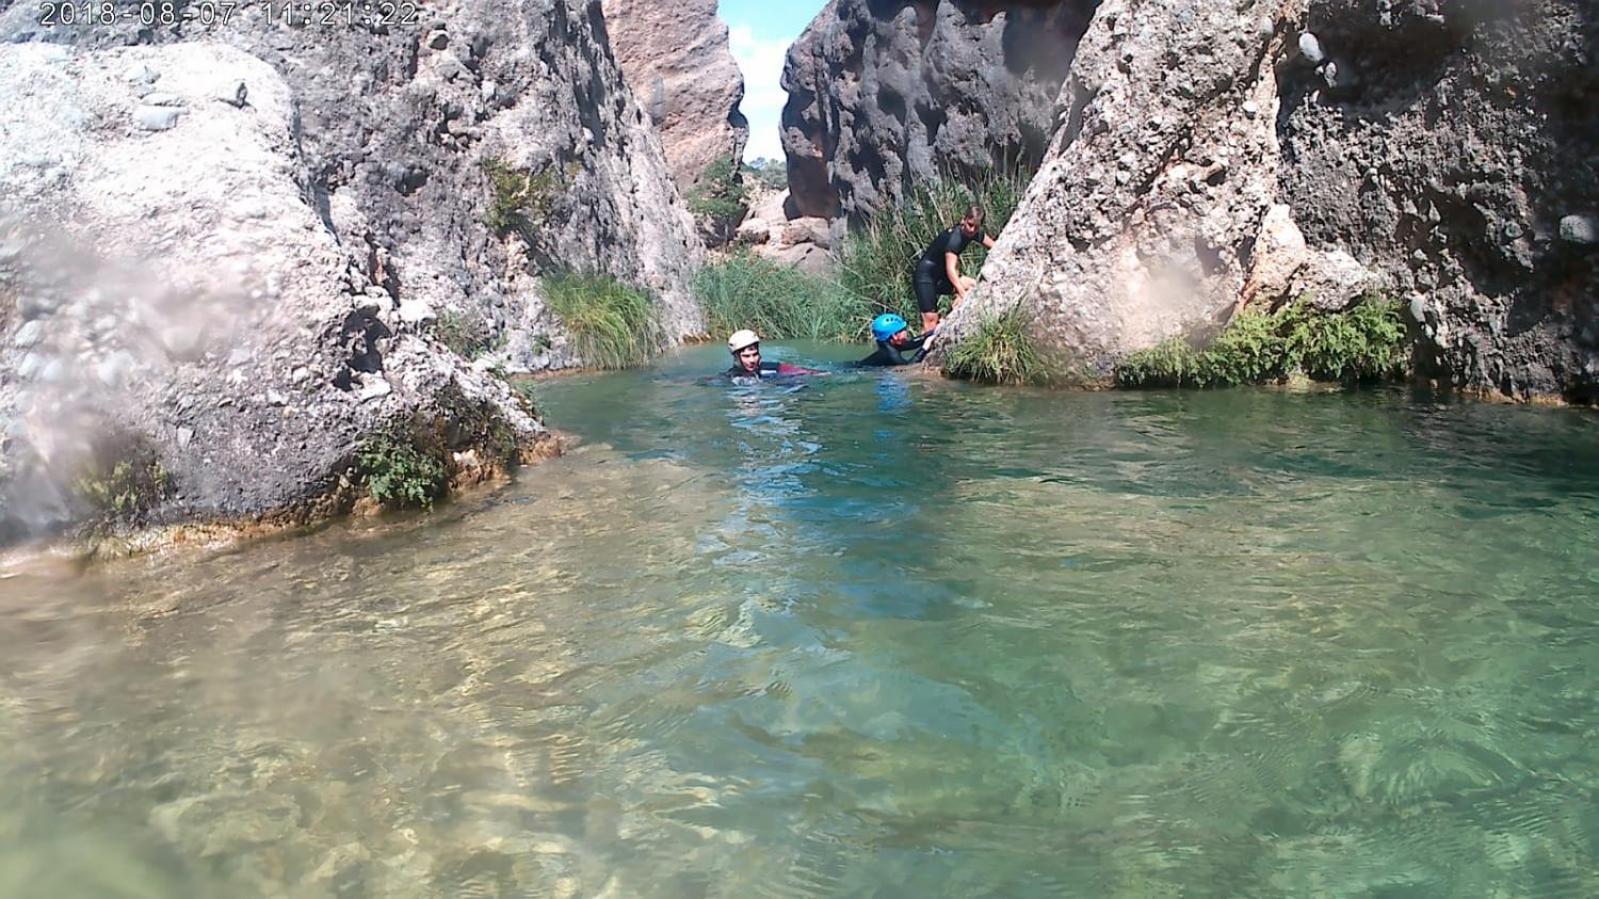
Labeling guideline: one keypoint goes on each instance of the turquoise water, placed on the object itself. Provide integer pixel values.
(871, 635)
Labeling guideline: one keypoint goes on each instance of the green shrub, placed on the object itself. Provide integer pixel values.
(779, 302)
(772, 173)
(465, 334)
(877, 258)
(521, 198)
(123, 481)
(399, 471)
(1000, 351)
(720, 196)
(611, 324)
(1364, 343)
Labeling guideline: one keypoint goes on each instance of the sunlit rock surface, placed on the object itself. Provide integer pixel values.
(1215, 153)
(234, 249)
(676, 59)
(882, 95)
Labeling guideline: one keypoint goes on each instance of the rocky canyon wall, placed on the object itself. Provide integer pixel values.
(675, 58)
(1217, 153)
(883, 94)
(232, 245)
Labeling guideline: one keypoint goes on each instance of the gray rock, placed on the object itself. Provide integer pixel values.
(1310, 49)
(236, 93)
(881, 101)
(438, 40)
(1452, 174)
(374, 387)
(210, 281)
(140, 73)
(156, 118)
(1579, 229)
(185, 436)
(676, 56)
(163, 98)
(28, 335)
(486, 90)
(415, 312)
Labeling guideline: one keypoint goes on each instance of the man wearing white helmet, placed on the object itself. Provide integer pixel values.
(745, 345)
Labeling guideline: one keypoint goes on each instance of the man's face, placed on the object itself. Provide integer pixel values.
(750, 357)
(902, 338)
(968, 228)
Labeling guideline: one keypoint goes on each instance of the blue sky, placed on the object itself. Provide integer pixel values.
(760, 32)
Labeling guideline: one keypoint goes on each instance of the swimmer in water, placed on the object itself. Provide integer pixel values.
(895, 345)
(745, 345)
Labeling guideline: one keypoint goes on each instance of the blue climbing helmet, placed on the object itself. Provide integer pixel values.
(887, 325)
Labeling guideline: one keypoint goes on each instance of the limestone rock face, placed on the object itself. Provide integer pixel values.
(676, 59)
(1216, 153)
(882, 94)
(238, 252)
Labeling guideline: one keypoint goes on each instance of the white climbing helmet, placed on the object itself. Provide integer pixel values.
(742, 339)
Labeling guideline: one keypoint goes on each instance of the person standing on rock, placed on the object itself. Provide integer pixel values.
(745, 345)
(938, 270)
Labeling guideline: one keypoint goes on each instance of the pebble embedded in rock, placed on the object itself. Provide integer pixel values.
(1251, 109)
(235, 94)
(1310, 49)
(438, 40)
(28, 335)
(374, 387)
(487, 89)
(142, 74)
(156, 118)
(1579, 229)
(185, 435)
(415, 312)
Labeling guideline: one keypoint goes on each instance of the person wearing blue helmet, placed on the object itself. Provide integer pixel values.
(895, 345)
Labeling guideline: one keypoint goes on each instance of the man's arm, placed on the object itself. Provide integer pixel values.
(988, 242)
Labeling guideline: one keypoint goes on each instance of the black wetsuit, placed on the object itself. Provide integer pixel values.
(888, 354)
(931, 277)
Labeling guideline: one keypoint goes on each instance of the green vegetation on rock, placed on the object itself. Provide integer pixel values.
(877, 259)
(521, 198)
(123, 481)
(772, 173)
(720, 196)
(612, 325)
(779, 302)
(399, 472)
(465, 334)
(1000, 350)
(1365, 343)
(783, 303)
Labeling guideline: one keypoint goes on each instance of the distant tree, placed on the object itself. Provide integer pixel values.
(772, 173)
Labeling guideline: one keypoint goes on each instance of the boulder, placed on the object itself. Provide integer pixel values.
(882, 95)
(675, 56)
(1208, 160)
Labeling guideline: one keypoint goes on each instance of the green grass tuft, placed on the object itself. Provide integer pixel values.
(1366, 343)
(877, 259)
(1000, 351)
(612, 325)
(779, 302)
